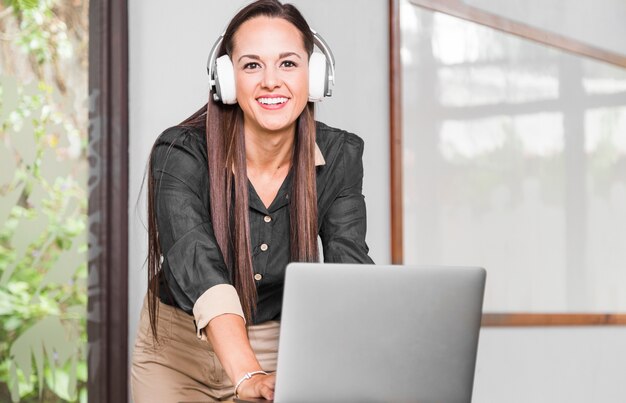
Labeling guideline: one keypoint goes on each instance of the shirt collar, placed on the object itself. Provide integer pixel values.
(319, 157)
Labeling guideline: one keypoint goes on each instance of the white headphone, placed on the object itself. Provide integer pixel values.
(321, 73)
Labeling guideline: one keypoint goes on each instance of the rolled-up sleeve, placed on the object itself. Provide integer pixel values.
(194, 269)
(344, 224)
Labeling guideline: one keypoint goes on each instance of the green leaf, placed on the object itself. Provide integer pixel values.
(62, 383)
(30, 227)
(12, 323)
(81, 371)
(6, 306)
(78, 310)
(24, 5)
(83, 395)
(18, 287)
(49, 339)
(13, 379)
(7, 201)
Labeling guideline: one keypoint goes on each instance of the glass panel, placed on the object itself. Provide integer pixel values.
(515, 160)
(43, 200)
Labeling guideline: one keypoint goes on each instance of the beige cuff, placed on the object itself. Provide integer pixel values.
(217, 300)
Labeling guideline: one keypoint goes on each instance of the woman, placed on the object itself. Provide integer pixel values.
(237, 191)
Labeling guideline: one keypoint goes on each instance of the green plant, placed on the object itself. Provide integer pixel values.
(43, 201)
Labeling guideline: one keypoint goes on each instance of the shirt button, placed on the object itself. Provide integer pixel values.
(267, 218)
(258, 277)
(264, 247)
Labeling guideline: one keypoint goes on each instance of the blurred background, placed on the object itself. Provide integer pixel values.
(43, 200)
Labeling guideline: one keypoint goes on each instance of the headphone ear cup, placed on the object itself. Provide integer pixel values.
(318, 75)
(225, 80)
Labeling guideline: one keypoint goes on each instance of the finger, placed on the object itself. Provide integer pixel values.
(267, 392)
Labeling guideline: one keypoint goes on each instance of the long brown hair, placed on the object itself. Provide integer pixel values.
(228, 175)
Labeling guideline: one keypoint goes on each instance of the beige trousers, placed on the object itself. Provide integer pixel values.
(182, 368)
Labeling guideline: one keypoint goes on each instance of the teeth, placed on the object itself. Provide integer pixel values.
(272, 101)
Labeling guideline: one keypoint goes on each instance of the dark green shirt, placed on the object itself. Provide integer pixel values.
(192, 261)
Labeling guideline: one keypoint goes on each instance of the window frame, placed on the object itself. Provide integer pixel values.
(107, 316)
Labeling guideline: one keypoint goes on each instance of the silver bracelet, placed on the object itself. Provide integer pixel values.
(247, 376)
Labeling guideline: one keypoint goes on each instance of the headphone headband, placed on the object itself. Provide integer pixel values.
(210, 64)
(329, 79)
(323, 46)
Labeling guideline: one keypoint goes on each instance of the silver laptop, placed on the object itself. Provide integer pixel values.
(366, 333)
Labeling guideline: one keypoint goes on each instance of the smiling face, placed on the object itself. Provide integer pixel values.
(271, 74)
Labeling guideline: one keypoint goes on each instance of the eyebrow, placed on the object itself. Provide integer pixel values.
(280, 56)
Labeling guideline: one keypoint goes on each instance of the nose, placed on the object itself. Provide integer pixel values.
(271, 78)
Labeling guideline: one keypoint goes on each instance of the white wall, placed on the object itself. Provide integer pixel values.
(169, 44)
(168, 48)
(551, 365)
(599, 23)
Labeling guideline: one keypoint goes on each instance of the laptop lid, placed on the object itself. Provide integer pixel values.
(359, 333)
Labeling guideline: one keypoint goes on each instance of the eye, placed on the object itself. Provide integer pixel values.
(289, 64)
(251, 66)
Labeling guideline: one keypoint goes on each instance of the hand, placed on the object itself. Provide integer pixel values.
(258, 386)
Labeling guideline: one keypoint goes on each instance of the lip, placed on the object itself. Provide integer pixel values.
(272, 107)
